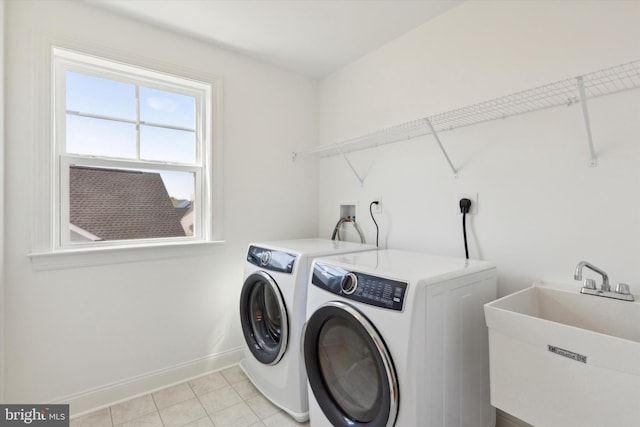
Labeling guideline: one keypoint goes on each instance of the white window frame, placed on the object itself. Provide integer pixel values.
(52, 245)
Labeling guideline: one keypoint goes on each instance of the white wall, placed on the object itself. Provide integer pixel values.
(2, 321)
(541, 209)
(91, 334)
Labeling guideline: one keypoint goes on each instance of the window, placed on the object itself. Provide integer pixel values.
(133, 155)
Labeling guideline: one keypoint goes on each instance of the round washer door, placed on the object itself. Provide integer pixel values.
(349, 368)
(263, 316)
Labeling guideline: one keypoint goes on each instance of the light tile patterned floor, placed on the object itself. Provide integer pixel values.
(221, 399)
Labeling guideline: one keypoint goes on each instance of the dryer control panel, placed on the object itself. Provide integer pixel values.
(364, 288)
(271, 260)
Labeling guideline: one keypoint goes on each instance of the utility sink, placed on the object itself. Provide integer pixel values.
(562, 358)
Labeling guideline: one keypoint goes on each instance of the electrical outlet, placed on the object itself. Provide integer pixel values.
(377, 207)
(474, 202)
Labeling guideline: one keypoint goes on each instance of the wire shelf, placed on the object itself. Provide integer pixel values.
(564, 92)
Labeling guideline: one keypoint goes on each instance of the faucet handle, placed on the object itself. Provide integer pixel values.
(623, 289)
(589, 284)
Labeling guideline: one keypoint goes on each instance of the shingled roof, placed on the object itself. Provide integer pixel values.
(118, 204)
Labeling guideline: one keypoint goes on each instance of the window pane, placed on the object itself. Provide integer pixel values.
(99, 96)
(181, 187)
(86, 135)
(119, 204)
(167, 108)
(167, 145)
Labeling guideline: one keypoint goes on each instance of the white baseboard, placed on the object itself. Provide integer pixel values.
(110, 394)
(506, 420)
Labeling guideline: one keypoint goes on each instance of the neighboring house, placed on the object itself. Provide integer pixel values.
(186, 214)
(113, 204)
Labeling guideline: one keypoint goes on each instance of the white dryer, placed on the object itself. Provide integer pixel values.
(397, 338)
(272, 312)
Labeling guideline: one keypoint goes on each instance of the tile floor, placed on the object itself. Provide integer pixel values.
(222, 399)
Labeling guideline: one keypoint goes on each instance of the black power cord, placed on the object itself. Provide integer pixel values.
(465, 207)
(375, 202)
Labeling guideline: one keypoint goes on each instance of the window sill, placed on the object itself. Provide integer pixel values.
(87, 257)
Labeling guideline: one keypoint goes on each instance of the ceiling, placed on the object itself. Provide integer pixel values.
(310, 37)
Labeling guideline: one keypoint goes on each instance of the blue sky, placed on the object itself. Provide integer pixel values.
(94, 136)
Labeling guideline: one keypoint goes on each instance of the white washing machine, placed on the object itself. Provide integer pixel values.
(398, 338)
(272, 312)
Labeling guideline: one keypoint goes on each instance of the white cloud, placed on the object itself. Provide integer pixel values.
(166, 105)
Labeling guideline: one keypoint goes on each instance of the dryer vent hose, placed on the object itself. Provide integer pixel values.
(336, 229)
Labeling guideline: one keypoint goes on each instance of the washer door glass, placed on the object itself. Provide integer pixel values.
(263, 316)
(349, 368)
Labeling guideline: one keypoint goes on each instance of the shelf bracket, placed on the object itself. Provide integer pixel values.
(353, 169)
(593, 160)
(444, 152)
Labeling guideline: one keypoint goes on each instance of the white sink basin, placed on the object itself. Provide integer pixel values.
(562, 358)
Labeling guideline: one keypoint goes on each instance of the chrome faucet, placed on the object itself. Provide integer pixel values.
(605, 278)
(622, 291)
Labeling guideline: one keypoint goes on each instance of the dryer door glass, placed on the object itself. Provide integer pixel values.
(349, 368)
(264, 318)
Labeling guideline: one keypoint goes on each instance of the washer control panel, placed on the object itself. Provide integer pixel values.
(364, 288)
(271, 260)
